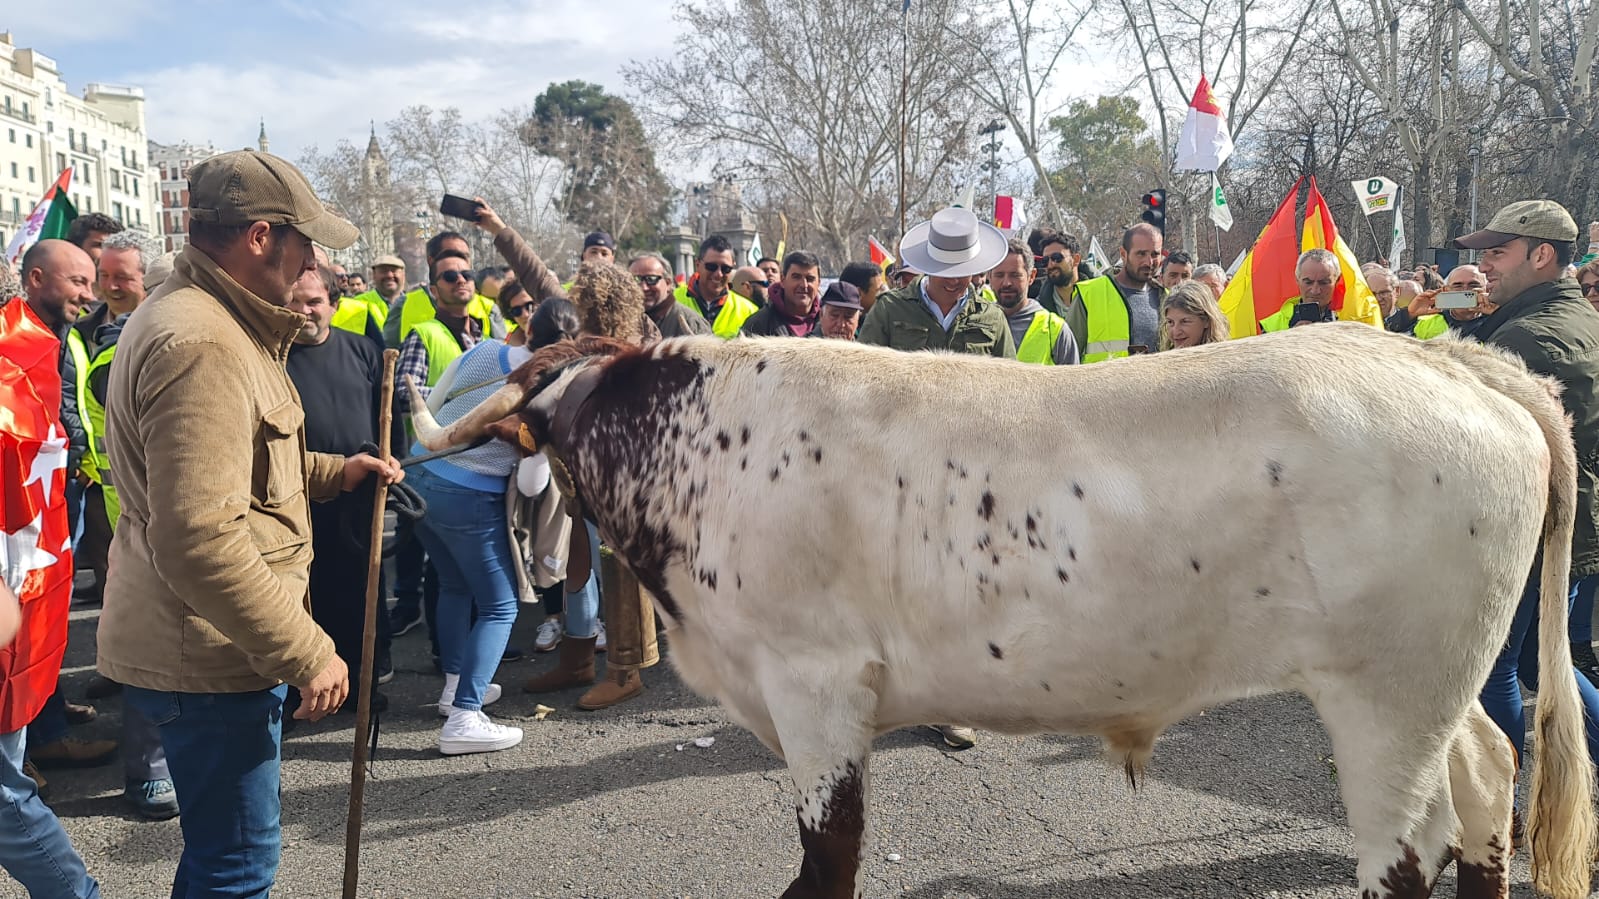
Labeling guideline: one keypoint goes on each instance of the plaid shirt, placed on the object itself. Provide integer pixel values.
(414, 362)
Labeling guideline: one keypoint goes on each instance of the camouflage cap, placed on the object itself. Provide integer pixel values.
(1538, 219)
(245, 186)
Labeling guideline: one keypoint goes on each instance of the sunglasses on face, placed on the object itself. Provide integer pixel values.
(755, 283)
(1056, 258)
(453, 277)
(650, 280)
(520, 309)
(716, 267)
(1587, 289)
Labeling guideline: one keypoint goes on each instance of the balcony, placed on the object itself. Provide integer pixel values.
(19, 115)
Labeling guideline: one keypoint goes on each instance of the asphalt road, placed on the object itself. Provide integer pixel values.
(1241, 801)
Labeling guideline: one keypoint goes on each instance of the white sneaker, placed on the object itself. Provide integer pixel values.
(469, 731)
(447, 698)
(599, 638)
(549, 635)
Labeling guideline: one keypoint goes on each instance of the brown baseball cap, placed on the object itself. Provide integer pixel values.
(246, 186)
(1537, 219)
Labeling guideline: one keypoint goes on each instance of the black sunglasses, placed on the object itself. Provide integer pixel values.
(518, 308)
(716, 267)
(760, 283)
(650, 280)
(1591, 287)
(452, 277)
(1055, 257)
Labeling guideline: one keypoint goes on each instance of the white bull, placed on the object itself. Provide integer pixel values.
(848, 540)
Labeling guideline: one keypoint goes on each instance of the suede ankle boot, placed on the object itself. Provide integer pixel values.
(619, 684)
(575, 668)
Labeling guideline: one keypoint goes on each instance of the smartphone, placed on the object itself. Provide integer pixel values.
(1308, 312)
(460, 208)
(1455, 299)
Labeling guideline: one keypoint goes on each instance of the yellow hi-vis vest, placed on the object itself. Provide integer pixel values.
(1110, 329)
(734, 311)
(418, 308)
(353, 312)
(1038, 344)
(1430, 326)
(80, 367)
(94, 424)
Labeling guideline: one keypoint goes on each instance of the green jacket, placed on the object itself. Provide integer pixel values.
(1556, 332)
(900, 319)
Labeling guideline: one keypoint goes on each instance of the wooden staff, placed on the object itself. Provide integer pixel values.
(369, 633)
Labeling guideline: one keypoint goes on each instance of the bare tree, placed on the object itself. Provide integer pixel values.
(1016, 47)
(814, 121)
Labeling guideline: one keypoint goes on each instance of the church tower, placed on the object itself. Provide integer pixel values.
(377, 200)
(261, 141)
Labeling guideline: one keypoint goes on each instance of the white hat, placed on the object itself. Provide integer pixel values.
(954, 244)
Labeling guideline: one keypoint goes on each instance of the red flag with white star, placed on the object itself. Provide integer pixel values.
(35, 545)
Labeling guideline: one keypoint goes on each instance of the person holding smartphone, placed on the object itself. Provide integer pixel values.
(1460, 306)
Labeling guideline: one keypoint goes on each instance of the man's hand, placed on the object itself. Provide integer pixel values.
(325, 692)
(488, 219)
(357, 467)
(1593, 232)
(1422, 305)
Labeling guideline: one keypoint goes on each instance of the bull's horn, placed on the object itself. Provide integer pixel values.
(468, 427)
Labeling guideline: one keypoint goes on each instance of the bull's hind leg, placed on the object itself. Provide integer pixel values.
(1482, 781)
(1393, 775)
(824, 717)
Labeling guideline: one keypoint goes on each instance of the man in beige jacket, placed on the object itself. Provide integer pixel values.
(206, 616)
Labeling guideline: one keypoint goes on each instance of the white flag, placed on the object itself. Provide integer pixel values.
(1397, 247)
(1205, 142)
(1220, 212)
(755, 252)
(1376, 195)
(1097, 260)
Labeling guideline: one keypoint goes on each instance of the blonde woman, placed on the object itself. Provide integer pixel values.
(1190, 317)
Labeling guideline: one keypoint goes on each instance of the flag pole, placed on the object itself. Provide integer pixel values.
(904, 92)
(1375, 241)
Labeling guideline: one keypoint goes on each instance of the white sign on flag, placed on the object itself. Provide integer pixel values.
(1220, 212)
(1376, 195)
(755, 253)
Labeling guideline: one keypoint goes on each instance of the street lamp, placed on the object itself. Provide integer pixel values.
(991, 131)
(1475, 154)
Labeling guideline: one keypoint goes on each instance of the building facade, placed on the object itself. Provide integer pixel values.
(171, 164)
(44, 128)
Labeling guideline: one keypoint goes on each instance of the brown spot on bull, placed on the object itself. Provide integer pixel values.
(743, 463)
(1195, 563)
(804, 436)
(1473, 530)
(817, 455)
(1262, 592)
(723, 440)
(1275, 469)
(1071, 553)
(1403, 880)
(995, 651)
(1077, 490)
(1437, 478)
(1481, 881)
(900, 480)
(785, 459)
(985, 506)
(760, 366)
(833, 849)
(1045, 685)
(1061, 573)
(744, 436)
(773, 474)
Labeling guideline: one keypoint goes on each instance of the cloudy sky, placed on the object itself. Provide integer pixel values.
(318, 71)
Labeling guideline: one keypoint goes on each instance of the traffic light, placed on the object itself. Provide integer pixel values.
(1155, 209)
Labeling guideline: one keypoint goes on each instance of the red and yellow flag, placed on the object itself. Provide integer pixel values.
(1352, 298)
(1266, 279)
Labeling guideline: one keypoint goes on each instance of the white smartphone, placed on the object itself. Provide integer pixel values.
(1456, 299)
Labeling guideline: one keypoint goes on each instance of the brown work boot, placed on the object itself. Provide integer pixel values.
(620, 684)
(31, 771)
(71, 752)
(575, 668)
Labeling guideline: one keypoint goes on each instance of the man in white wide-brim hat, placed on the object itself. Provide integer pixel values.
(941, 310)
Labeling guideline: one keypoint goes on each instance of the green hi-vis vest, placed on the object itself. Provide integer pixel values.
(353, 312)
(1038, 344)
(418, 308)
(94, 423)
(734, 311)
(1278, 321)
(1430, 326)
(441, 346)
(1110, 329)
(80, 366)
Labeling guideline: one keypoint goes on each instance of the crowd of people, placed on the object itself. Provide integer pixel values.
(222, 406)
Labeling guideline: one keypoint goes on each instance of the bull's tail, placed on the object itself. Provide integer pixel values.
(1560, 815)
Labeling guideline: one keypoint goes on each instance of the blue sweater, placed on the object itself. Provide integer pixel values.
(486, 467)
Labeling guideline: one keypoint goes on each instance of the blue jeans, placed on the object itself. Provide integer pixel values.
(33, 846)
(583, 606)
(466, 538)
(1581, 620)
(223, 752)
(1518, 661)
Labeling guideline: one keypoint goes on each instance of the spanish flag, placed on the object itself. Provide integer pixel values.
(1266, 279)
(881, 257)
(1352, 298)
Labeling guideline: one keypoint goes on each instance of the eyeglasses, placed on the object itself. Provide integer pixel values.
(1591, 287)
(452, 277)
(1055, 257)
(518, 309)
(754, 283)
(716, 267)
(650, 280)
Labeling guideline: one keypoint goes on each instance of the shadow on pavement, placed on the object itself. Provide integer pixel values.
(1273, 873)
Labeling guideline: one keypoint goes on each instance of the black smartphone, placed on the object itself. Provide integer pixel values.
(1307, 312)
(460, 208)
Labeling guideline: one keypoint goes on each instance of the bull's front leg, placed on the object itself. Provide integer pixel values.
(824, 716)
